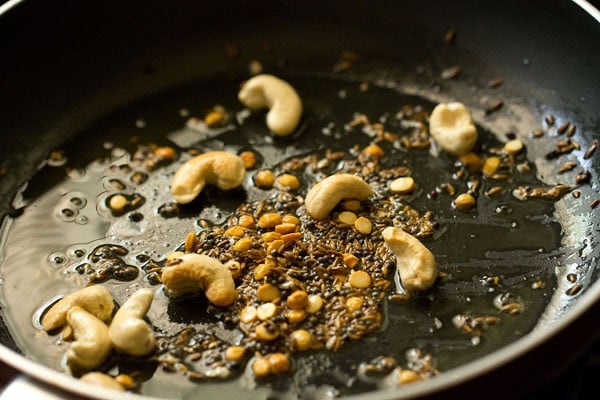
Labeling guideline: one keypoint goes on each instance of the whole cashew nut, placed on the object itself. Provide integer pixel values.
(95, 299)
(196, 272)
(129, 333)
(220, 168)
(451, 126)
(326, 194)
(92, 344)
(414, 261)
(268, 91)
(101, 379)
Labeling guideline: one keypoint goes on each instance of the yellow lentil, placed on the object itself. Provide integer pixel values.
(297, 300)
(347, 217)
(267, 292)
(359, 279)
(363, 225)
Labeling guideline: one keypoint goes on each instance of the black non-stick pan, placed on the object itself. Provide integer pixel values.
(75, 75)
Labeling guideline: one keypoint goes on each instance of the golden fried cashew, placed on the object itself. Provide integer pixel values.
(268, 91)
(196, 272)
(129, 333)
(452, 128)
(101, 379)
(326, 194)
(220, 168)
(92, 344)
(414, 261)
(95, 299)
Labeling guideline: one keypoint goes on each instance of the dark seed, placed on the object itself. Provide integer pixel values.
(450, 35)
(495, 106)
(494, 83)
(591, 150)
(571, 130)
(451, 72)
(583, 178)
(572, 291)
(595, 203)
(549, 119)
(563, 128)
(136, 217)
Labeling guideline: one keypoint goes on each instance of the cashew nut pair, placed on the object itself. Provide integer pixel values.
(197, 272)
(220, 168)
(451, 126)
(414, 261)
(326, 194)
(86, 310)
(268, 91)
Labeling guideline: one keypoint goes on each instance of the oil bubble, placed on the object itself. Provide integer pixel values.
(57, 259)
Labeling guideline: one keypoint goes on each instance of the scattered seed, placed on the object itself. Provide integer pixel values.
(563, 128)
(572, 291)
(549, 119)
(538, 133)
(496, 82)
(584, 177)
(451, 72)
(591, 150)
(571, 130)
(494, 106)
(449, 36)
(568, 166)
(595, 203)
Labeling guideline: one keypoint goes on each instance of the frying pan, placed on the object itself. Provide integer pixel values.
(67, 65)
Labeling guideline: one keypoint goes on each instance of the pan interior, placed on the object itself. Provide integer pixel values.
(519, 242)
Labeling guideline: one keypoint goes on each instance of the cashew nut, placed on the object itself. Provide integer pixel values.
(101, 379)
(326, 194)
(414, 261)
(220, 168)
(128, 332)
(92, 344)
(267, 91)
(94, 299)
(452, 128)
(197, 272)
